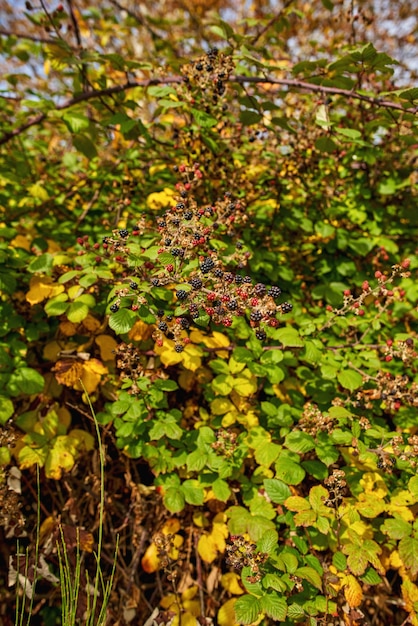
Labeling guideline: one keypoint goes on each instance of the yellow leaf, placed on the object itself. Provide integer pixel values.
(207, 548)
(160, 199)
(168, 354)
(154, 169)
(191, 357)
(200, 520)
(64, 416)
(229, 418)
(395, 560)
(51, 351)
(20, 241)
(84, 440)
(410, 596)
(226, 614)
(353, 591)
(150, 561)
(171, 527)
(231, 582)
(42, 287)
(140, 331)
(220, 406)
(58, 460)
(244, 386)
(373, 483)
(75, 291)
(37, 190)
(107, 346)
(91, 375)
(46, 529)
(68, 372)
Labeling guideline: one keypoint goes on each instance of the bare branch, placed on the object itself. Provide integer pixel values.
(8, 33)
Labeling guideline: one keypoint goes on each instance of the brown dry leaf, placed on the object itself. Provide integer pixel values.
(68, 372)
(140, 331)
(68, 329)
(91, 323)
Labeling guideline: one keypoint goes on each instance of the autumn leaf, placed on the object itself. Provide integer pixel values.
(41, 288)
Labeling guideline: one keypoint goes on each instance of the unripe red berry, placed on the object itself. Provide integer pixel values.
(406, 263)
(388, 358)
(96, 246)
(361, 312)
(389, 342)
(347, 292)
(80, 240)
(390, 293)
(366, 285)
(169, 267)
(182, 168)
(134, 307)
(98, 259)
(328, 307)
(378, 274)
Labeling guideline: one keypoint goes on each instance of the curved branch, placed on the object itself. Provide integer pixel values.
(9, 33)
(297, 84)
(300, 84)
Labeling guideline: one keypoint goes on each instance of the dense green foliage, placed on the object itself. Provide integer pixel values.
(214, 245)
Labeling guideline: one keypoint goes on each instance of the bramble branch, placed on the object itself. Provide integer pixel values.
(297, 84)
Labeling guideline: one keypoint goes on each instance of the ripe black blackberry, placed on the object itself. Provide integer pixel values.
(256, 316)
(167, 242)
(160, 313)
(178, 347)
(188, 215)
(176, 252)
(207, 265)
(274, 291)
(194, 315)
(218, 273)
(185, 324)
(239, 279)
(154, 282)
(248, 280)
(260, 334)
(233, 305)
(123, 233)
(133, 285)
(228, 277)
(181, 294)
(114, 307)
(162, 326)
(196, 283)
(260, 289)
(286, 307)
(180, 205)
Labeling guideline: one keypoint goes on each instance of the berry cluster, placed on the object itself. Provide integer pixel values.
(313, 421)
(242, 553)
(337, 488)
(391, 391)
(208, 75)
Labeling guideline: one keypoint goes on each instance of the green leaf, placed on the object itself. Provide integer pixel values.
(325, 144)
(311, 575)
(289, 472)
(221, 489)
(339, 560)
(196, 461)
(276, 490)
(248, 118)
(25, 381)
(300, 442)
(6, 409)
(76, 121)
(203, 119)
(408, 552)
(77, 312)
(85, 145)
(247, 608)
(289, 337)
(174, 500)
(41, 264)
(274, 605)
(193, 492)
(349, 379)
(122, 321)
(268, 542)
